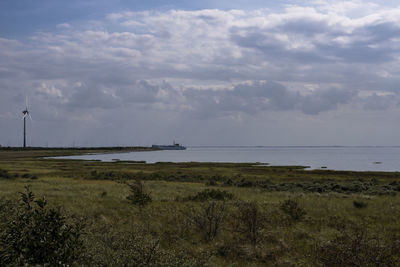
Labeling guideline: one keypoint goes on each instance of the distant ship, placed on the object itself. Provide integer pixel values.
(175, 146)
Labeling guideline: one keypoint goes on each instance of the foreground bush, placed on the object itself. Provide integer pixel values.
(37, 235)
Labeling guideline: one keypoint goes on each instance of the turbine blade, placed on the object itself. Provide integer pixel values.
(26, 102)
(23, 117)
(30, 117)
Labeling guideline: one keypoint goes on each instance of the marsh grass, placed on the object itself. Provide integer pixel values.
(252, 229)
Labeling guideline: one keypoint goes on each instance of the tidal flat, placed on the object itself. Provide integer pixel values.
(205, 214)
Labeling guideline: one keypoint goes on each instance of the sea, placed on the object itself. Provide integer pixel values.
(315, 157)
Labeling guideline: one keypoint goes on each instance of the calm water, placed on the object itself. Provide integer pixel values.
(335, 158)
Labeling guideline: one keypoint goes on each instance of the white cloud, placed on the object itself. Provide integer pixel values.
(49, 90)
(64, 26)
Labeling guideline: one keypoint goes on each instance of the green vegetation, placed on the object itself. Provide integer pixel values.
(34, 234)
(166, 214)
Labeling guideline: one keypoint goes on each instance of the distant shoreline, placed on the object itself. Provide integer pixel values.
(149, 148)
(43, 152)
(113, 148)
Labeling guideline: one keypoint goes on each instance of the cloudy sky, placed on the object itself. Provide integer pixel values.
(236, 72)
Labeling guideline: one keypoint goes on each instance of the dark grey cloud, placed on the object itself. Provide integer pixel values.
(379, 102)
(277, 95)
(259, 97)
(381, 32)
(89, 96)
(140, 92)
(325, 100)
(317, 42)
(306, 26)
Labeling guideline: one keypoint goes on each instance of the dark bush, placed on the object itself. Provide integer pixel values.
(292, 208)
(208, 194)
(4, 174)
(355, 247)
(321, 186)
(103, 175)
(208, 219)
(228, 182)
(26, 175)
(249, 221)
(37, 235)
(136, 247)
(245, 183)
(211, 183)
(359, 204)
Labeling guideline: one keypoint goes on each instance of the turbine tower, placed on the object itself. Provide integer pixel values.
(26, 114)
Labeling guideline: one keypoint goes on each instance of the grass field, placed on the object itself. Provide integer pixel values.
(246, 215)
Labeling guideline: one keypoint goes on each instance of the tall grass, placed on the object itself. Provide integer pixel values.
(226, 225)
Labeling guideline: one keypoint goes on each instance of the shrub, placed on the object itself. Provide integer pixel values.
(4, 174)
(359, 204)
(208, 194)
(245, 183)
(354, 247)
(291, 207)
(26, 175)
(135, 247)
(228, 182)
(211, 182)
(37, 235)
(138, 195)
(250, 221)
(102, 175)
(208, 219)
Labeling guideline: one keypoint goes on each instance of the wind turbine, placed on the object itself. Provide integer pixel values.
(26, 114)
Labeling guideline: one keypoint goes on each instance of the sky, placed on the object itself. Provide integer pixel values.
(137, 73)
